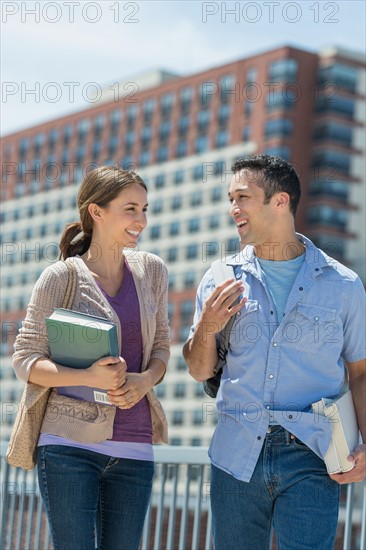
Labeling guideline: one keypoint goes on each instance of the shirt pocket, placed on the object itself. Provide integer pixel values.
(318, 327)
(246, 329)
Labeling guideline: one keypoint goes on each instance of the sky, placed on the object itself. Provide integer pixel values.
(57, 56)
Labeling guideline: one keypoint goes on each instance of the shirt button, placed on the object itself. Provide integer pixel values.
(259, 437)
(301, 288)
(274, 344)
(316, 318)
(290, 416)
(238, 275)
(271, 376)
(238, 314)
(267, 407)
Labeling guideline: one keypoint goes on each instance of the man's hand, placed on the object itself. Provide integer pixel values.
(358, 473)
(219, 307)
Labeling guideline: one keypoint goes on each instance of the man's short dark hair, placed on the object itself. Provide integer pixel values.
(273, 175)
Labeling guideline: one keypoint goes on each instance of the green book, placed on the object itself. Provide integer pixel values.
(77, 340)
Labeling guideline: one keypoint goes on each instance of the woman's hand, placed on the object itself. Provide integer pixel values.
(133, 390)
(108, 373)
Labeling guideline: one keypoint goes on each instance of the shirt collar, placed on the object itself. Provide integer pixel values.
(314, 257)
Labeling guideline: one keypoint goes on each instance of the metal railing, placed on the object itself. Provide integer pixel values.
(179, 515)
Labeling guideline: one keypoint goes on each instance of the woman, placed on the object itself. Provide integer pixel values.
(95, 461)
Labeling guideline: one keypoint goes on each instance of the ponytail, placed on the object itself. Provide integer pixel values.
(73, 241)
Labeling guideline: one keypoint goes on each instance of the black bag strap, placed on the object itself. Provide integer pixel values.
(221, 271)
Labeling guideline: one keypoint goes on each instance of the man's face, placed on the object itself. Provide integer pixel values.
(254, 220)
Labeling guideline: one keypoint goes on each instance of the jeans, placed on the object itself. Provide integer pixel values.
(289, 492)
(92, 500)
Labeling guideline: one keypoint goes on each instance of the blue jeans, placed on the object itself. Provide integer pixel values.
(92, 500)
(290, 491)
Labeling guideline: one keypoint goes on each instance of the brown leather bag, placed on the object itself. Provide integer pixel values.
(21, 452)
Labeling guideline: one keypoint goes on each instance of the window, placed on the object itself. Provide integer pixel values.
(196, 441)
(181, 149)
(196, 198)
(112, 145)
(155, 232)
(162, 154)
(197, 172)
(148, 110)
(197, 417)
(185, 96)
(178, 417)
(233, 245)
(38, 142)
(333, 131)
(166, 104)
(23, 146)
(189, 279)
(332, 161)
(206, 93)
(176, 202)
(97, 148)
(67, 133)
(164, 130)
(181, 364)
(203, 120)
(201, 144)
(328, 216)
(160, 390)
(281, 99)
(194, 225)
(199, 391)
(183, 125)
(214, 221)
(330, 188)
(176, 441)
(83, 127)
(247, 132)
(157, 206)
(131, 115)
(129, 139)
(171, 281)
(281, 151)
(222, 138)
(174, 228)
(146, 135)
(284, 70)
(192, 251)
(227, 88)
(180, 390)
(278, 127)
(340, 75)
(223, 114)
(160, 180)
(251, 75)
(178, 177)
(336, 104)
(216, 194)
(172, 255)
(144, 158)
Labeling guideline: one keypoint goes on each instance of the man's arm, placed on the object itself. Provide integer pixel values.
(200, 351)
(357, 385)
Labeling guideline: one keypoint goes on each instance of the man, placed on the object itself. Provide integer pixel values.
(299, 317)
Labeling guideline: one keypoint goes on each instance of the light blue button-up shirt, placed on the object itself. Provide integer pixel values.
(276, 368)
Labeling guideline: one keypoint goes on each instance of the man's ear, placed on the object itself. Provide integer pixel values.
(282, 200)
(95, 211)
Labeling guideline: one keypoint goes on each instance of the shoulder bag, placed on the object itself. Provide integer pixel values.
(220, 272)
(21, 452)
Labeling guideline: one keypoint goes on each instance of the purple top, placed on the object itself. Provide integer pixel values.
(132, 425)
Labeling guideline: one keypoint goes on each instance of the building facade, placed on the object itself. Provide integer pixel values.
(182, 134)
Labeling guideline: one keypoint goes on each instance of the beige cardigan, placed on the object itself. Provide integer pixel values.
(80, 420)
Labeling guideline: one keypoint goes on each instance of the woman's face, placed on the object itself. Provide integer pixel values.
(122, 221)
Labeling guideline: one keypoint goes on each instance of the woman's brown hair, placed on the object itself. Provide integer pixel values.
(100, 186)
